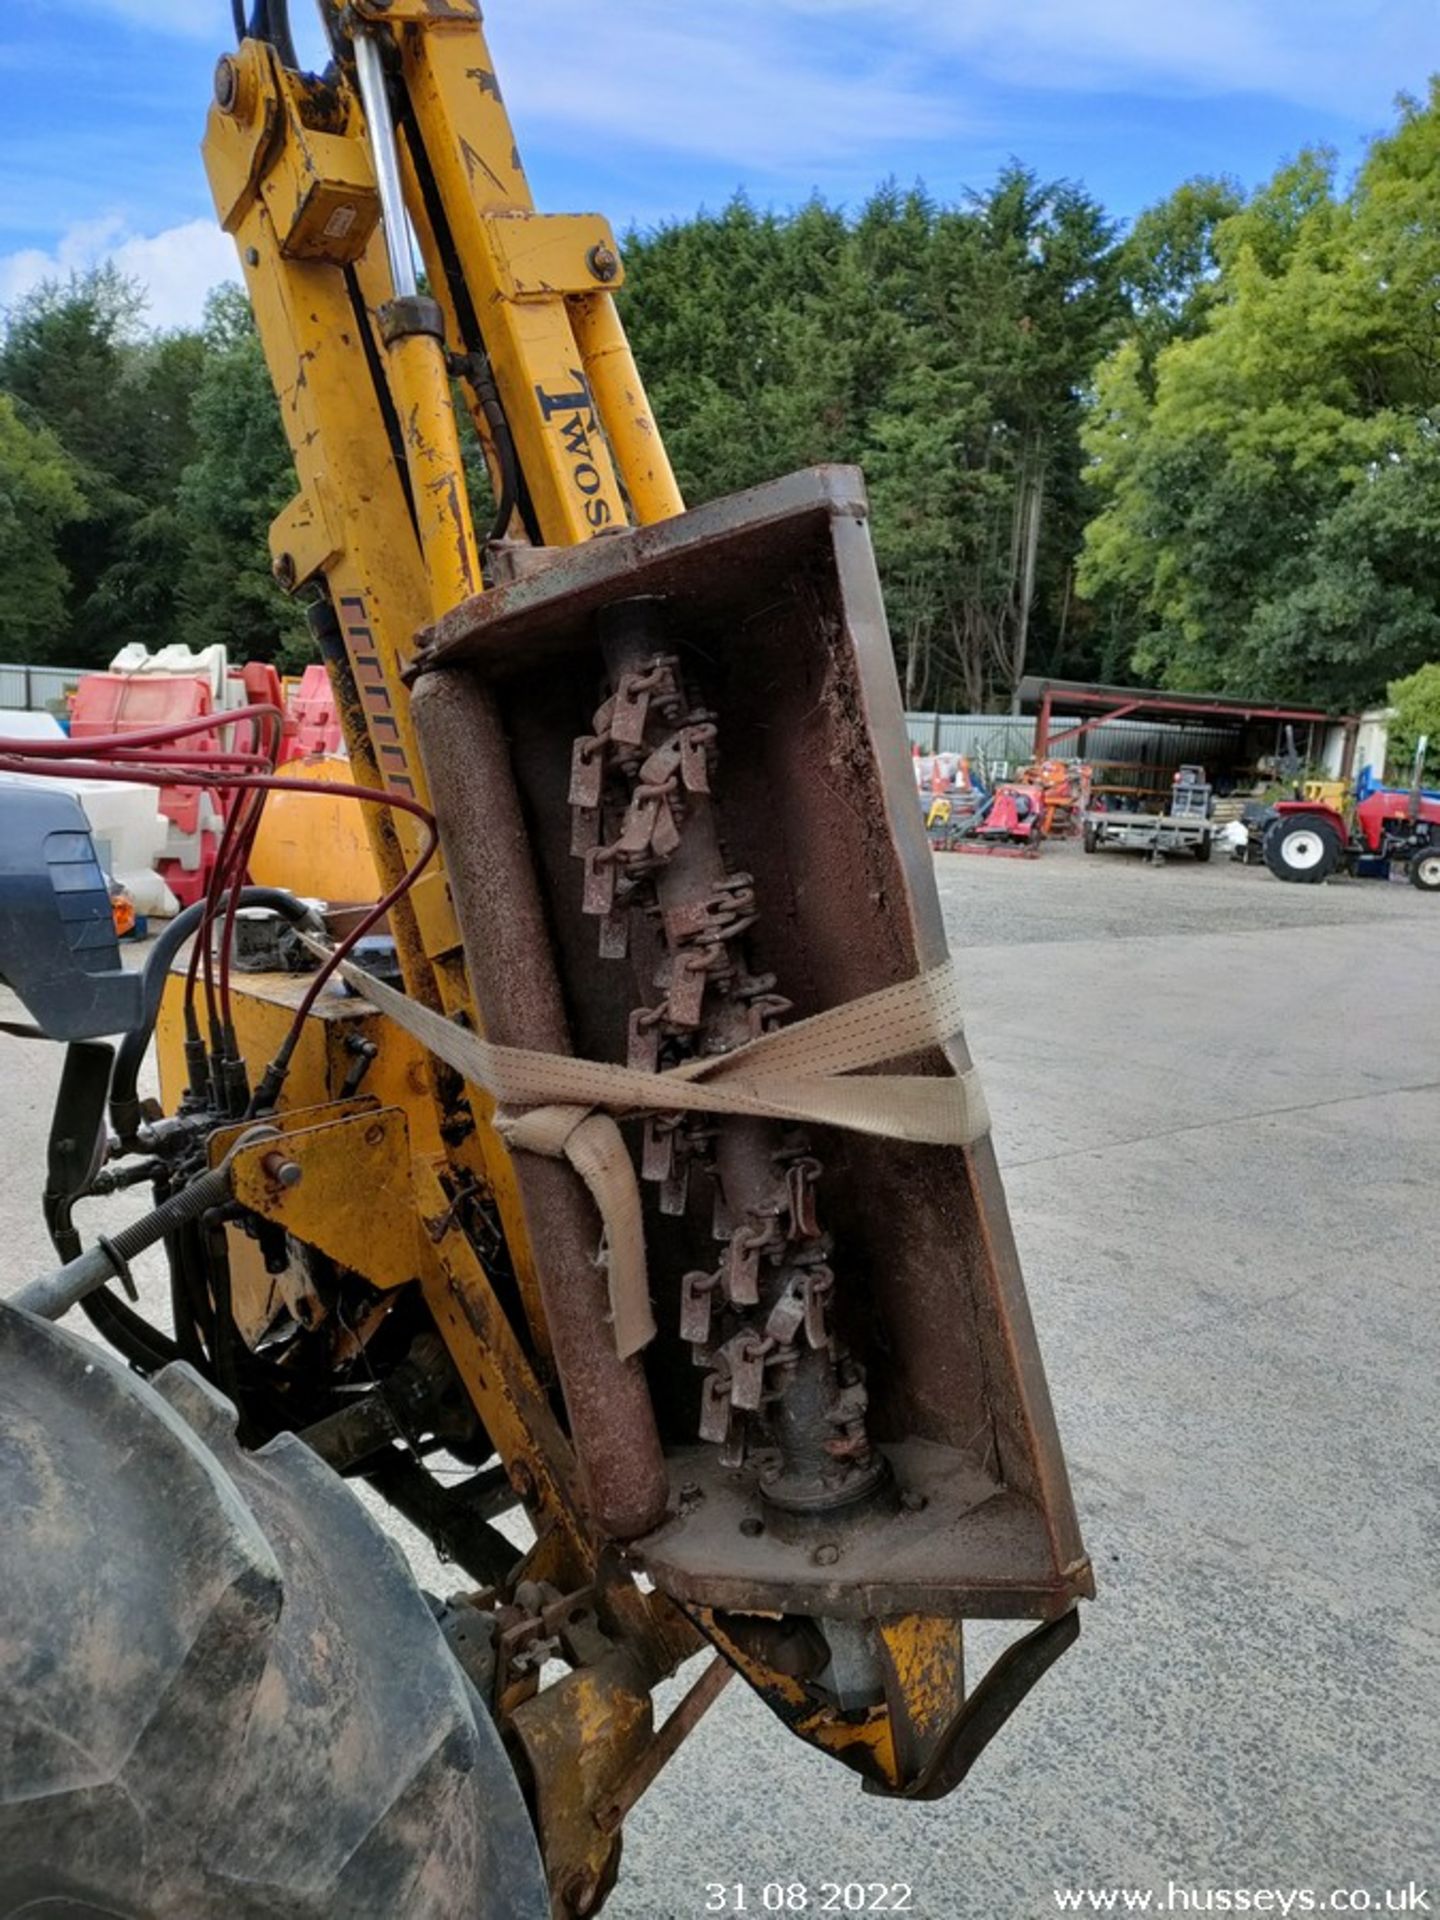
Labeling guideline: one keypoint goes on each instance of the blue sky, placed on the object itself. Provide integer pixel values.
(646, 109)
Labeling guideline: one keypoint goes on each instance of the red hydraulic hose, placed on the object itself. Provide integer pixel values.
(14, 761)
(161, 736)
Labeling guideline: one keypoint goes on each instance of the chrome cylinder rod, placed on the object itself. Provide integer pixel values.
(375, 98)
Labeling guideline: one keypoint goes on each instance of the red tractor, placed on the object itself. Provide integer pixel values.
(1308, 841)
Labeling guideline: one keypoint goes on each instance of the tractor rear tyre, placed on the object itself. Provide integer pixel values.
(221, 1691)
(1302, 848)
(1425, 871)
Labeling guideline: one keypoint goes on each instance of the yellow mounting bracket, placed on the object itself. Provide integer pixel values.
(304, 538)
(344, 1186)
(343, 1178)
(318, 187)
(539, 255)
(243, 130)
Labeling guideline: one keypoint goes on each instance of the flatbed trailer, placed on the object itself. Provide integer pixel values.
(1157, 834)
(1188, 827)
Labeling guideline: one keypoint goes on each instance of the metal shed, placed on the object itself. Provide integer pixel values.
(1225, 735)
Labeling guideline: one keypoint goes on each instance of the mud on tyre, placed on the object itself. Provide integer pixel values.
(221, 1691)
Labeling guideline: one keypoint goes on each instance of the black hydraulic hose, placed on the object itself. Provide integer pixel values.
(514, 492)
(283, 39)
(125, 1113)
(189, 1302)
(476, 370)
(226, 1346)
(237, 14)
(488, 394)
(138, 1343)
(270, 22)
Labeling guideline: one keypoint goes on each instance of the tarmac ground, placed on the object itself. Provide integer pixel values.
(1217, 1102)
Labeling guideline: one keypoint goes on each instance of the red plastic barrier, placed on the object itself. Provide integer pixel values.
(107, 703)
(314, 717)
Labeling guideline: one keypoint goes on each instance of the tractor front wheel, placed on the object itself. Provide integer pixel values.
(1425, 871)
(1302, 848)
(222, 1695)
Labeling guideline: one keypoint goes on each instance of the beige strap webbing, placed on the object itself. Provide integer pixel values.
(563, 1108)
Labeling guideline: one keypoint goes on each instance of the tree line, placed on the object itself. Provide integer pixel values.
(1202, 451)
(139, 473)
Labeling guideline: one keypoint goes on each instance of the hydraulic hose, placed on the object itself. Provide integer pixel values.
(142, 1346)
(271, 22)
(125, 1113)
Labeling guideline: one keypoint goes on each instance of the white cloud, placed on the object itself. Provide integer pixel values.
(176, 267)
(774, 81)
(812, 90)
(752, 86)
(793, 85)
(746, 84)
(658, 70)
(1346, 55)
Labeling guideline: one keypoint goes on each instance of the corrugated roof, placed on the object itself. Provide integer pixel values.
(1156, 701)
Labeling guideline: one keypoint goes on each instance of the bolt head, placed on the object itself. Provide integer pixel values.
(227, 84)
(826, 1556)
(604, 263)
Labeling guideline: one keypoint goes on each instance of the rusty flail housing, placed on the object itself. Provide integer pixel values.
(844, 1417)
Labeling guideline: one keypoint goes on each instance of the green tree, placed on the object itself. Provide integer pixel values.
(1268, 492)
(39, 499)
(1170, 267)
(1416, 700)
(239, 478)
(76, 359)
(942, 348)
(731, 317)
(974, 452)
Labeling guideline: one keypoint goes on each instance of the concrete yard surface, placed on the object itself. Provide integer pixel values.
(1217, 1102)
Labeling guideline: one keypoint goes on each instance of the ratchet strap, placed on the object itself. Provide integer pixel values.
(564, 1108)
